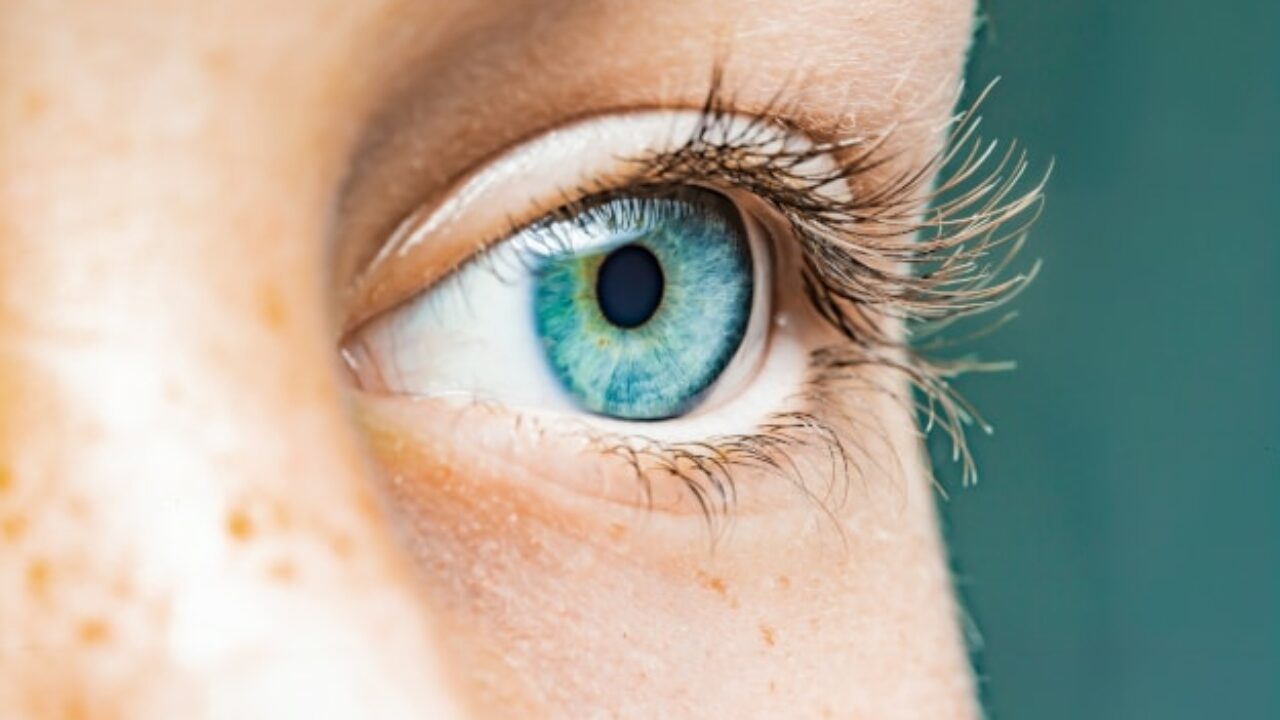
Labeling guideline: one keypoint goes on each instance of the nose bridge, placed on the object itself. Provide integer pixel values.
(185, 529)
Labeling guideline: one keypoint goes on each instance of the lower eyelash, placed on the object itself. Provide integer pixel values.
(818, 448)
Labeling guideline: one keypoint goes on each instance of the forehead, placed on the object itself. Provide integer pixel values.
(381, 36)
(498, 60)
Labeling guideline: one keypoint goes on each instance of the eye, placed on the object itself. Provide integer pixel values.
(634, 304)
(707, 292)
(630, 306)
(640, 318)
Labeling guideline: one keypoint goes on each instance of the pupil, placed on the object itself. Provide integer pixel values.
(629, 286)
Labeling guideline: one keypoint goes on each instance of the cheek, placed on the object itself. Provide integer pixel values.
(554, 599)
(562, 610)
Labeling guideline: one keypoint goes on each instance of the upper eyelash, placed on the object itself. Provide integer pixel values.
(899, 250)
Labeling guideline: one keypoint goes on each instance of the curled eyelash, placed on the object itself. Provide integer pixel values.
(782, 446)
(889, 259)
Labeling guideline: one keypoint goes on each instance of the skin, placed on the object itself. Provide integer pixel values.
(200, 518)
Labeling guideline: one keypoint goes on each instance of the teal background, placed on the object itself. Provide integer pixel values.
(1121, 552)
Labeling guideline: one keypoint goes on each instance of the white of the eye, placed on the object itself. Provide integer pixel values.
(473, 335)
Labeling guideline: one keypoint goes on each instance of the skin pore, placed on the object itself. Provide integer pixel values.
(200, 517)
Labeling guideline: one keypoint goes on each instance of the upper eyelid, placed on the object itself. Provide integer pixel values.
(383, 183)
(632, 171)
(851, 230)
(778, 167)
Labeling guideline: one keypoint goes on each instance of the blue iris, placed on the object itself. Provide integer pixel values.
(640, 322)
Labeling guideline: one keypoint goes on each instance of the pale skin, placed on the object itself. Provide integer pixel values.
(196, 517)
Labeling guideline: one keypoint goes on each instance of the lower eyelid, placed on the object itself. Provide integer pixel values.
(555, 470)
(490, 455)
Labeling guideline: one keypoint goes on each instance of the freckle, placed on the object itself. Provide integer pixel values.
(784, 582)
(38, 577)
(342, 545)
(75, 708)
(714, 583)
(283, 571)
(13, 527)
(766, 633)
(6, 479)
(239, 526)
(216, 62)
(773, 686)
(34, 103)
(617, 531)
(94, 631)
(271, 307)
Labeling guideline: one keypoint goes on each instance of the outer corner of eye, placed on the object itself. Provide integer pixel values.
(633, 305)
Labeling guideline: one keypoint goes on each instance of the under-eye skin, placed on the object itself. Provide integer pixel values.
(708, 303)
